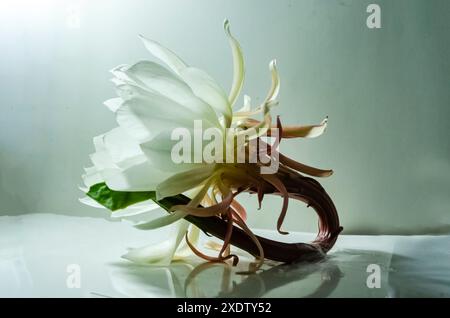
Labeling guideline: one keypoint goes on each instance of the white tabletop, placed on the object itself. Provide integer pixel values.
(39, 254)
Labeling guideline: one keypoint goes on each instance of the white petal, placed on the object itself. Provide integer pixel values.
(142, 177)
(309, 131)
(91, 202)
(184, 250)
(102, 160)
(159, 152)
(117, 81)
(148, 113)
(118, 67)
(244, 112)
(275, 86)
(136, 209)
(156, 254)
(160, 254)
(184, 181)
(162, 221)
(130, 211)
(164, 54)
(156, 78)
(120, 162)
(238, 66)
(206, 88)
(247, 104)
(115, 149)
(113, 103)
(123, 150)
(120, 75)
(126, 90)
(91, 177)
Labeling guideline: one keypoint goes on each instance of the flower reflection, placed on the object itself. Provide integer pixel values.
(184, 280)
(260, 284)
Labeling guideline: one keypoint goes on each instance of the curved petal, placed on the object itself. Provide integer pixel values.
(162, 221)
(156, 78)
(275, 86)
(123, 150)
(238, 65)
(160, 254)
(247, 105)
(260, 127)
(155, 254)
(239, 209)
(164, 54)
(310, 131)
(102, 160)
(147, 113)
(136, 209)
(91, 177)
(113, 104)
(184, 250)
(120, 162)
(243, 113)
(201, 83)
(91, 202)
(268, 103)
(304, 168)
(184, 181)
(159, 152)
(276, 182)
(142, 177)
(206, 88)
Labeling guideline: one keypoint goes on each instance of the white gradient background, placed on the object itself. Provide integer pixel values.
(385, 91)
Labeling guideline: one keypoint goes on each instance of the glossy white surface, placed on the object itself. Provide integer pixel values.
(36, 250)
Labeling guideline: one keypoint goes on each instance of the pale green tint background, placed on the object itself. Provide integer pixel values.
(386, 92)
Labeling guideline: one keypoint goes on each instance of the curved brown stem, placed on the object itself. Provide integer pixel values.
(300, 188)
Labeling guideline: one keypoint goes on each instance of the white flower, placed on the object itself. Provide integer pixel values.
(152, 101)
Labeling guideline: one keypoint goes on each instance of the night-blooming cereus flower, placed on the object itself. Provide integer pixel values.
(137, 156)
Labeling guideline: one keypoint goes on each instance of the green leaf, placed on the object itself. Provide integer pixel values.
(116, 200)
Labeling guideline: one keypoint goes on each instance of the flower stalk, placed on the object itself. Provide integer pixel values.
(300, 188)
